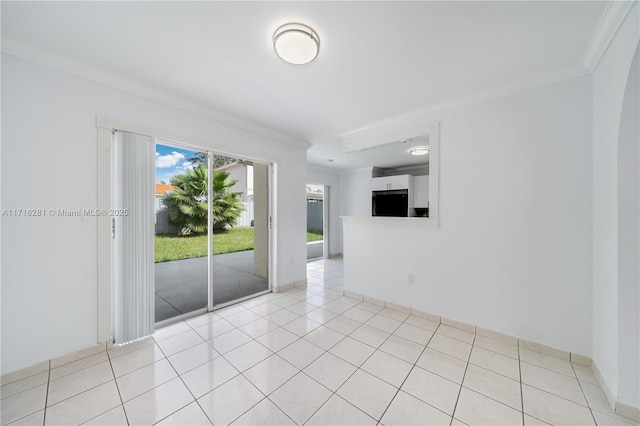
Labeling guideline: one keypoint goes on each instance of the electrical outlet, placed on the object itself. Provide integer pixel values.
(412, 280)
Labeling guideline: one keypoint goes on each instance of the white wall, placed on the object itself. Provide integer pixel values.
(354, 201)
(239, 173)
(49, 297)
(629, 240)
(513, 251)
(328, 177)
(609, 82)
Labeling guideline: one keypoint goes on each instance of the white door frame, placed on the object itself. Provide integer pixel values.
(326, 226)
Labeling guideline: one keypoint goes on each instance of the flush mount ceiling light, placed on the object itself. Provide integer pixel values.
(419, 150)
(296, 43)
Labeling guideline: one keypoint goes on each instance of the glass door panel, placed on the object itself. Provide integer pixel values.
(181, 238)
(240, 209)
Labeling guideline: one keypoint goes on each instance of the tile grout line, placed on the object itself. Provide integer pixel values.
(466, 367)
(155, 343)
(260, 390)
(378, 348)
(80, 369)
(325, 351)
(291, 378)
(495, 351)
(49, 380)
(324, 324)
(520, 383)
(46, 398)
(196, 400)
(351, 375)
(348, 402)
(241, 373)
(178, 376)
(118, 389)
(521, 390)
(411, 370)
(140, 367)
(584, 395)
(76, 395)
(114, 378)
(557, 395)
(275, 405)
(222, 355)
(92, 388)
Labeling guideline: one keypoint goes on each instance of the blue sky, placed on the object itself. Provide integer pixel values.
(171, 161)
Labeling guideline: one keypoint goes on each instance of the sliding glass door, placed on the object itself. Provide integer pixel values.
(211, 230)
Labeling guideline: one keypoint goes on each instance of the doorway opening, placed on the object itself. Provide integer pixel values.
(211, 230)
(315, 221)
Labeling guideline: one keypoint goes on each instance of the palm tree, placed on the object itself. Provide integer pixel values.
(188, 204)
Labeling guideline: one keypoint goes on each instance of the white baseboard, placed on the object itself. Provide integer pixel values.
(300, 283)
(628, 411)
(290, 286)
(472, 328)
(611, 398)
(54, 362)
(23, 373)
(284, 287)
(621, 408)
(544, 349)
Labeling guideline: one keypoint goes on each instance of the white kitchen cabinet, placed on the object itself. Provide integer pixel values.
(390, 183)
(421, 191)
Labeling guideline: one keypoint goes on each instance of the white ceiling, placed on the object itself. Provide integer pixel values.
(377, 59)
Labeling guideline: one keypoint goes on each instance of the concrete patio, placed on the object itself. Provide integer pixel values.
(181, 285)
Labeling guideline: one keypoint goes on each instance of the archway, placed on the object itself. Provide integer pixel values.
(629, 242)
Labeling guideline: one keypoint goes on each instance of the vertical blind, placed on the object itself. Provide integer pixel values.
(134, 236)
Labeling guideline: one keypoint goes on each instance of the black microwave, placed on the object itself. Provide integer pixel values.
(394, 203)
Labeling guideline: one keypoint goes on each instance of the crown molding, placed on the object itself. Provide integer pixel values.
(374, 134)
(23, 51)
(611, 20)
(371, 134)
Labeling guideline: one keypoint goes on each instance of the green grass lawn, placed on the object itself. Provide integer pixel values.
(313, 236)
(174, 247)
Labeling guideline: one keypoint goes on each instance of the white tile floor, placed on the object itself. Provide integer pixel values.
(311, 357)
